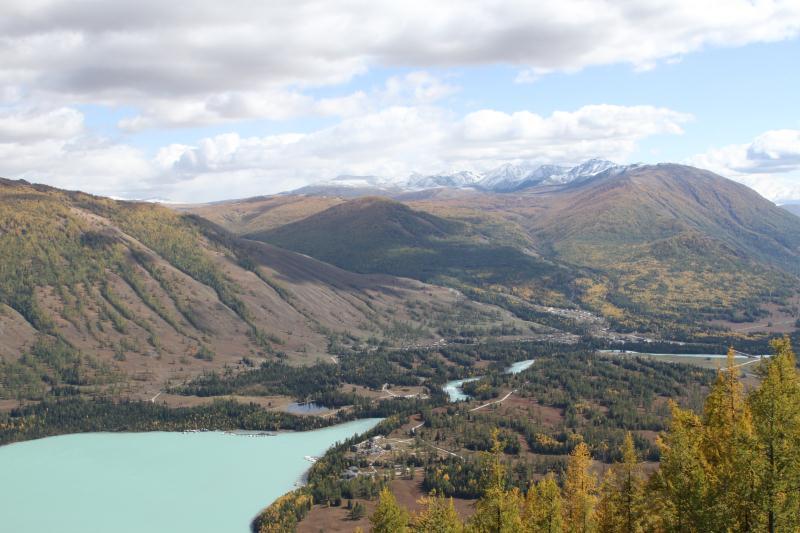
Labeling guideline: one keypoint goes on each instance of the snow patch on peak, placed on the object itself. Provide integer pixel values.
(508, 177)
(465, 178)
(513, 178)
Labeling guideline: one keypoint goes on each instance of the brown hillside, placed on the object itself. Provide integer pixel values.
(122, 296)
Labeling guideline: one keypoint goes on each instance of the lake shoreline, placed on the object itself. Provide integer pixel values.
(78, 415)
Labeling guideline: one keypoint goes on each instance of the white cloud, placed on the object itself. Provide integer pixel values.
(28, 125)
(392, 141)
(776, 151)
(606, 130)
(398, 140)
(218, 108)
(84, 164)
(218, 62)
(418, 87)
(770, 164)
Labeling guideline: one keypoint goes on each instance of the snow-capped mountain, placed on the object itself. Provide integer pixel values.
(511, 176)
(465, 178)
(590, 168)
(508, 177)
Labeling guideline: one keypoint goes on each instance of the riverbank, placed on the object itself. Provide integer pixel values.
(456, 394)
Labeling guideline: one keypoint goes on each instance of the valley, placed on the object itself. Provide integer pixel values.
(661, 248)
(104, 296)
(554, 314)
(399, 267)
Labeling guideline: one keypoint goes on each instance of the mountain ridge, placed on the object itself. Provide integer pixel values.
(625, 234)
(508, 177)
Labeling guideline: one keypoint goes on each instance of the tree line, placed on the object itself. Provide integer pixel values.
(734, 467)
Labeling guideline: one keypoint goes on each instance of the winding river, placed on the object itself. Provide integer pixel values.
(456, 394)
(206, 482)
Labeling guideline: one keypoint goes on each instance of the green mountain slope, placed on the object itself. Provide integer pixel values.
(651, 203)
(380, 235)
(675, 241)
(99, 295)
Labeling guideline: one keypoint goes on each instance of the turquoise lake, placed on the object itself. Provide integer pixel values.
(156, 482)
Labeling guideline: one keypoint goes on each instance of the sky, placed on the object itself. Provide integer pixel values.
(206, 100)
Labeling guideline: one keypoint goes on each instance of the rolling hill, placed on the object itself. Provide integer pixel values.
(674, 239)
(373, 234)
(644, 245)
(99, 295)
(262, 213)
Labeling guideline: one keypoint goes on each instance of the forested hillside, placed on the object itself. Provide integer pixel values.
(731, 467)
(99, 295)
(379, 235)
(675, 241)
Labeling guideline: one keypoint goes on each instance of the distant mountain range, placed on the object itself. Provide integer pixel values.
(642, 244)
(509, 177)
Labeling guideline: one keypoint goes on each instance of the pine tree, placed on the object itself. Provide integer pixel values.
(729, 449)
(543, 507)
(498, 510)
(438, 516)
(389, 517)
(357, 511)
(621, 507)
(680, 486)
(580, 488)
(776, 420)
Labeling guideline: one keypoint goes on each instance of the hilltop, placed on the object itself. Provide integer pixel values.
(674, 239)
(375, 234)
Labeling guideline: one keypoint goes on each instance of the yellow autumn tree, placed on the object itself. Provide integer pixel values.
(580, 492)
(498, 510)
(437, 516)
(729, 449)
(389, 517)
(622, 498)
(680, 488)
(775, 407)
(543, 512)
